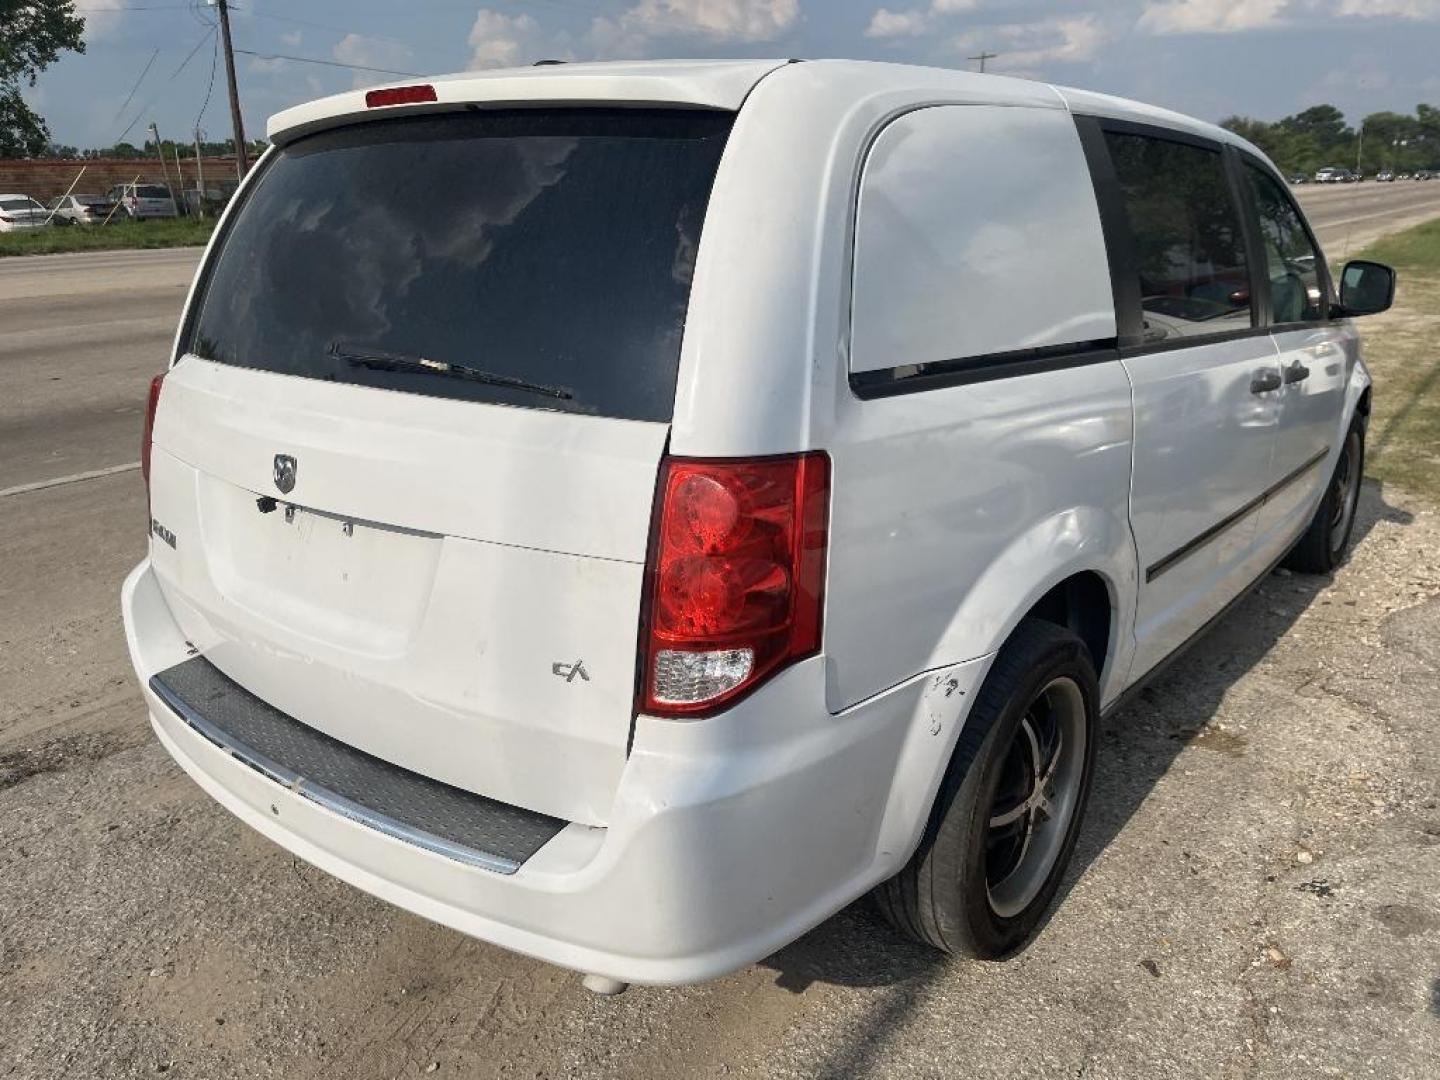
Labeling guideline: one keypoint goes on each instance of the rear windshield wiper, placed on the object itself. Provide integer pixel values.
(380, 360)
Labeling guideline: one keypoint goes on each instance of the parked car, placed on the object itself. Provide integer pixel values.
(143, 201)
(19, 212)
(1385, 176)
(1298, 178)
(1328, 175)
(80, 209)
(734, 487)
(1424, 174)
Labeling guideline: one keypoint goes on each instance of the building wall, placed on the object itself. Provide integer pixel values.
(45, 179)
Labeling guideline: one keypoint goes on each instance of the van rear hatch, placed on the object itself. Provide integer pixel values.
(403, 469)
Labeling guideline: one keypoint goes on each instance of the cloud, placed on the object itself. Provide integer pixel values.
(371, 52)
(1238, 16)
(632, 32)
(892, 24)
(1418, 10)
(1026, 47)
(1210, 16)
(914, 22)
(499, 40)
(102, 17)
(293, 38)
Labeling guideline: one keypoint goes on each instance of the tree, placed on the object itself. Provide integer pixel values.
(1323, 123)
(1427, 137)
(1389, 137)
(33, 33)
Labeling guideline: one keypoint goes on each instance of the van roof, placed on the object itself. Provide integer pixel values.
(724, 84)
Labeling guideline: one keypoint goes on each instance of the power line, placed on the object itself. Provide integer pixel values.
(190, 55)
(326, 63)
(214, 57)
(130, 96)
(161, 90)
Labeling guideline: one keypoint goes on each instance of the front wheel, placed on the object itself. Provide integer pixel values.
(1325, 541)
(1008, 812)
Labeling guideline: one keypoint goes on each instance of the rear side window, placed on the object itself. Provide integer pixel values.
(538, 258)
(1291, 257)
(1189, 245)
(977, 241)
(152, 191)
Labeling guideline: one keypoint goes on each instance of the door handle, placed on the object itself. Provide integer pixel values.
(1296, 372)
(1264, 381)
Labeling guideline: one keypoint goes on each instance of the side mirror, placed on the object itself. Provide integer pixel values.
(1366, 287)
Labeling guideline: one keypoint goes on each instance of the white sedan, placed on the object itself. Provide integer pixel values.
(81, 209)
(21, 212)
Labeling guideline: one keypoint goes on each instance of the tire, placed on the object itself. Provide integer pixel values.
(948, 895)
(1326, 540)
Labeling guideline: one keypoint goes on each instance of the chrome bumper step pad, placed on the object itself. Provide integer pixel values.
(405, 805)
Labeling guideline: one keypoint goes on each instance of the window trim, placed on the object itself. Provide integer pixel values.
(986, 367)
(1120, 241)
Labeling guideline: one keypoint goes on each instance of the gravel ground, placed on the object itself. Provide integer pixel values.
(1254, 893)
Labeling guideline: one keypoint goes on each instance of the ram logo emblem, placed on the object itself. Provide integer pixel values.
(285, 469)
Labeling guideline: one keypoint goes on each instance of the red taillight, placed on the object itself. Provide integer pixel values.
(736, 578)
(399, 95)
(7, 219)
(149, 432)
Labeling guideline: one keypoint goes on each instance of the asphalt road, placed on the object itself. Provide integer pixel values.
(80, 337)
(1254, 895)
(1346, 217)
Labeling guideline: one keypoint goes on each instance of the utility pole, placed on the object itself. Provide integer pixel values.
(1359, 145)
(199, 176)
(240, 163)
(164, 172)
(180, 176)
(982, 58)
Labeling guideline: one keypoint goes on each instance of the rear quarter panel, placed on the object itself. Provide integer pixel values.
(955, 510)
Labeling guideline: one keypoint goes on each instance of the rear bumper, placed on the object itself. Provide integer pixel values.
(729, 837)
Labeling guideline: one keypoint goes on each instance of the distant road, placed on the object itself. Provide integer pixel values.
(84, 333)
(1347, 217)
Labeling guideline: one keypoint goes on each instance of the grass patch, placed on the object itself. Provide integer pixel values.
(164, 233)
(1414, 250)
(1402, 349)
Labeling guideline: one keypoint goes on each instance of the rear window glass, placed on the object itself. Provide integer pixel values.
(20, 204)
(532, 258)
(152, 191)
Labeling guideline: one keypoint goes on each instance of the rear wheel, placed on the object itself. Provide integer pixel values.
(1008, 812)
(1324, 544)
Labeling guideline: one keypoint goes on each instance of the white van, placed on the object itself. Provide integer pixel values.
(141, 202)
(626, 512)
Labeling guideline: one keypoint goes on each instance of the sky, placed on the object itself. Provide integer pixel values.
(1208, 58)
